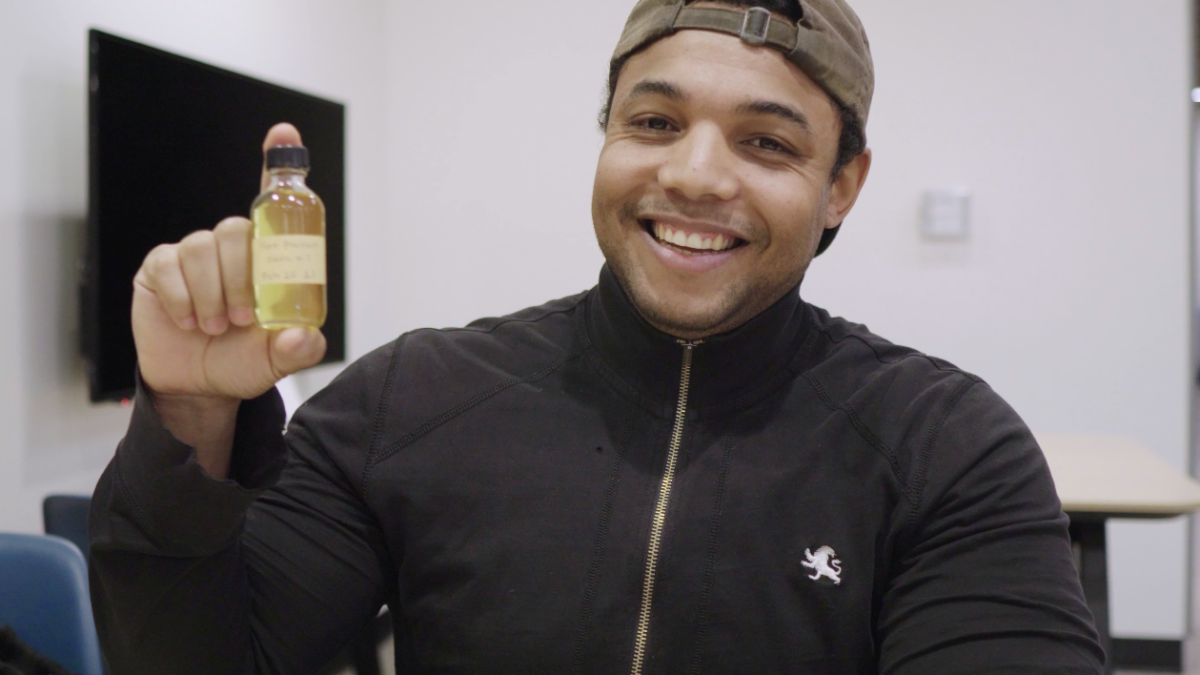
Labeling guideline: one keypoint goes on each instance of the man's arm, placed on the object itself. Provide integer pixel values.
(270, 571)
(985, 582)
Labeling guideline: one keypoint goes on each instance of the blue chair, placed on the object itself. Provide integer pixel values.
(44, 597)
(66, 516)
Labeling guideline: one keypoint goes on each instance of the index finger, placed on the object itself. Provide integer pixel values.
(280, 134)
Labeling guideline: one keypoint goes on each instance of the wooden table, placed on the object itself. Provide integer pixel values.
(1101, 477)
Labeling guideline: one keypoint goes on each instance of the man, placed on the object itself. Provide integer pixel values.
(685, 469)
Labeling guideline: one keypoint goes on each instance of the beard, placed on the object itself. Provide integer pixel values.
(721, 310)
(718, 314)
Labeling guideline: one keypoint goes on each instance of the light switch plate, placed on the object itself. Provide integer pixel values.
(946, 215)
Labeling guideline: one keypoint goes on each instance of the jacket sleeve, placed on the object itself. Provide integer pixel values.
(271, 571)
(985, 581)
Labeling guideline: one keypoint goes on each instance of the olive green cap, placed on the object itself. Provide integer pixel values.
(828, 44)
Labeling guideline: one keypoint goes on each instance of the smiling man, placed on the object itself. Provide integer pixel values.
(686, 469)
(720, 172)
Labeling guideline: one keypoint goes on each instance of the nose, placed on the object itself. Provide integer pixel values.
(700, 166)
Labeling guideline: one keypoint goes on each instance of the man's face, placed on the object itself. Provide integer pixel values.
(713, 186)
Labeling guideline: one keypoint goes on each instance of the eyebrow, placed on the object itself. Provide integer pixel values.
(672, 92)
(656, 88)
(784, 112)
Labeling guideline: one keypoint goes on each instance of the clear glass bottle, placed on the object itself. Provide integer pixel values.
(288, 245)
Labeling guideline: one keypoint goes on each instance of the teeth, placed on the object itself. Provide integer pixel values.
(696, 242)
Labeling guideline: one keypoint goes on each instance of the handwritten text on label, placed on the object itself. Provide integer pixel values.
(288, 259)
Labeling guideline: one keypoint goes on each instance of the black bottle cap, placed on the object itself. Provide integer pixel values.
(287, 156)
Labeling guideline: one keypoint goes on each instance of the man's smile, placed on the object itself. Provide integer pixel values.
(690, 246)
(688, 240)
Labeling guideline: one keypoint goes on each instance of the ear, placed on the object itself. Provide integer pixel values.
(846, 187)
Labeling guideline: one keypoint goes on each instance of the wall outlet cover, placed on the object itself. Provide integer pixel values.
(946, 215)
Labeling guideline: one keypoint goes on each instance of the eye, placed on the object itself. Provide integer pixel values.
(653, 123)
(770, 145)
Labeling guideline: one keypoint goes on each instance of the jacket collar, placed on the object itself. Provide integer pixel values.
(726, 368)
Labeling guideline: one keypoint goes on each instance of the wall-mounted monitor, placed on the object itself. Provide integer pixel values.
(174, 147)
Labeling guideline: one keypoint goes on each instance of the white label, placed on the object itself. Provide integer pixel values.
(288, 259)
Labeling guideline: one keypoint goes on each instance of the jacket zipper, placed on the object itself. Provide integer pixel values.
(660, 510)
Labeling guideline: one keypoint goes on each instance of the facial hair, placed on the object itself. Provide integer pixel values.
(736, 303)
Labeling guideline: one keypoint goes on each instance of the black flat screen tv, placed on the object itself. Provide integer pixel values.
(174, 146)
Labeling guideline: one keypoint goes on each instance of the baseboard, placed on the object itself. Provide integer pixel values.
(1164, 656)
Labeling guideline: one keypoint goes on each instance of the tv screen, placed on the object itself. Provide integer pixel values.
(174, 147)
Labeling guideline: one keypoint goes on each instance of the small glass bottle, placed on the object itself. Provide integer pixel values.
(288, 245)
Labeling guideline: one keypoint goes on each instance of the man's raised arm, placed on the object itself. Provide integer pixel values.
(218, 545)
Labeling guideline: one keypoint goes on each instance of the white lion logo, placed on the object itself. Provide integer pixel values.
(823, 563)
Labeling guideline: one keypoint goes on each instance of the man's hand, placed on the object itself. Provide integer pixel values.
(199, 349)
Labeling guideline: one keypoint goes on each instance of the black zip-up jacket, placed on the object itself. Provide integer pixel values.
(568, 490)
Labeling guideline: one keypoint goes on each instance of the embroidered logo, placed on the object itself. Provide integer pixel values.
(823, 563)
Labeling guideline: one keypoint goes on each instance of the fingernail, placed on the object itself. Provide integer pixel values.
(188, 323)
(216, 325)
(241, 316)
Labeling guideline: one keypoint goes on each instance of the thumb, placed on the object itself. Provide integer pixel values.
(280, 134)
(294, 349)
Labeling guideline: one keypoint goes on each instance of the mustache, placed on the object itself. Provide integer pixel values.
(690, 210)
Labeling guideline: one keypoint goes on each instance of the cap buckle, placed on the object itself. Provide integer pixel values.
(755, 25)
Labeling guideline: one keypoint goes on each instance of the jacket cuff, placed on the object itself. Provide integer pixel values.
(181, 509)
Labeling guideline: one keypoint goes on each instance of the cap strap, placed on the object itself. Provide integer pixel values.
(755, 26)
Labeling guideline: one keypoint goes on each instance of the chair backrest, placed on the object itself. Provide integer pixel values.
(66, 516)
(44, 597)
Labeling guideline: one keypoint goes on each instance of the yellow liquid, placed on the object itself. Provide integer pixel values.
(285, 211)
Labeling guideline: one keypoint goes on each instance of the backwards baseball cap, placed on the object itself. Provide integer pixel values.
(828, 43)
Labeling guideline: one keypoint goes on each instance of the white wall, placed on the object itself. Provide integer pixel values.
(1067, 119)
(51, 439)
(494, 149)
